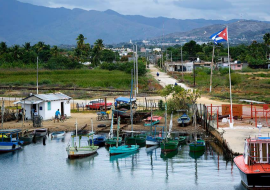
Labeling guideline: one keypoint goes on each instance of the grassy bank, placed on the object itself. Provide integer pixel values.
(252, 85)
(69, 78)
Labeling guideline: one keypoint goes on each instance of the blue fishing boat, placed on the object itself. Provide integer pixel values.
(99, 140)
(184, 120)
(9, 140)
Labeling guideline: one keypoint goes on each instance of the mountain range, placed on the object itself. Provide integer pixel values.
(23, 22)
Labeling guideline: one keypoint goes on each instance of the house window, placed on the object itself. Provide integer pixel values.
(49, 106)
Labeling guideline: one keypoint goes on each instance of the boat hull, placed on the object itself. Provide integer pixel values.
(74, 153)
(26, 140)
(254, 179)
(169, 146)
(9, 146)
(111, 142)
(198, 145)
(125, 149)
(135, 141)
(58, 134)
(151, 143)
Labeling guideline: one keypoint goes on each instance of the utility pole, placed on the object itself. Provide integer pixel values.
(194, 73)
(37, 75)
(212, 68)
(182, 64)
(134, 69)
(137, 70)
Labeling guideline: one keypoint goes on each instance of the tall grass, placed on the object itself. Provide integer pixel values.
(69, 78)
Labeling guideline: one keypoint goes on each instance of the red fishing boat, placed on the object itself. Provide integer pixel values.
(254, 164)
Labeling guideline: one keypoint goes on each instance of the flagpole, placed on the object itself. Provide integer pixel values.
(210, 90)
(231, 110)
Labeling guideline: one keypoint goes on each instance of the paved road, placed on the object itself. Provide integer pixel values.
(164, 78)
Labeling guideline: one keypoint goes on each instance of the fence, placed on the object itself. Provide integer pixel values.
(214, 114)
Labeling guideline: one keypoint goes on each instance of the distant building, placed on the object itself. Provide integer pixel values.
(143, 50)
(157, 49)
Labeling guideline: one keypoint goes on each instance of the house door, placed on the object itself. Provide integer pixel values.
(62, 108)
(33, 108)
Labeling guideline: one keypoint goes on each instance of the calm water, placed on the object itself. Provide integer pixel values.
(47, 167)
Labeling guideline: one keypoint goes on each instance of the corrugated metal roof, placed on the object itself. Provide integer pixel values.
(51, 96)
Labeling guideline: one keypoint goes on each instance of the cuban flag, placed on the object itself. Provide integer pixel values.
(220, 36)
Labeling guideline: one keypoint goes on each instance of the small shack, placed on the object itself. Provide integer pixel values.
(46, 105)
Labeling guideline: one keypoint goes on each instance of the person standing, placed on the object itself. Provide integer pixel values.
(57, 115)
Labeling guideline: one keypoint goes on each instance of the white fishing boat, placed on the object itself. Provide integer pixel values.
(80, 146)
(58, 134)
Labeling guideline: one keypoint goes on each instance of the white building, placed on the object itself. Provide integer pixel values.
(46, 105)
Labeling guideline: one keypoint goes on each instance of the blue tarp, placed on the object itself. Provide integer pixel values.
(125, 100)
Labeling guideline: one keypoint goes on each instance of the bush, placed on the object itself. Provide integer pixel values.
(62, 62)
(45, 82)
(224, 71)
(235, 79)
(160, 105)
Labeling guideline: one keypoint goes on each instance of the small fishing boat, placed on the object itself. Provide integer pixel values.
(111, 140)
(27, 139)
(59, 134)
(139, 139)
(80, 146)
(153, 141)
(183, 120)
(168, 155)
(99, 140)
(254, 164)
(124, 149)
(151, 121)
(168, 144)
(197, 145)
(39, 133)
(181, 139)
(9, 141)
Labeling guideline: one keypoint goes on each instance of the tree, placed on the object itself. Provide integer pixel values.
(55, 51)
(3, 48)
(107, 56)
(27, 46)
(266, 39)
(97, 52)
(80, 41)
(15, 50)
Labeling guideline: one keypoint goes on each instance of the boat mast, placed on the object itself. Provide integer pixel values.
(151, 119)
(130, 102)
(3, 113)
(165, 119)
(92, 124)
(111, 130)
(118, 126)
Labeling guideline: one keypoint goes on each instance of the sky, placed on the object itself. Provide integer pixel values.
(179, 9)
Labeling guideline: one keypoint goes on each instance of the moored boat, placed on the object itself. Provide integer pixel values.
(183, 120)
(80, 146)
(9, 143)
(135, 140)
(197, 145)
(254, 164)
(181, 139)
(99, 140)
(27, 139)
(39, 132)
(59, 134)
(112, 141)
(151, 121)
(124, 149)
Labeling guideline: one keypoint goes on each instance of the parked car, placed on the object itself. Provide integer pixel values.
(98, 104)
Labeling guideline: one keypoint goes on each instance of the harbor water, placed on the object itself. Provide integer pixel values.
(39, 166)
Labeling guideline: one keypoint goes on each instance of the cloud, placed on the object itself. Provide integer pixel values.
(204, 4)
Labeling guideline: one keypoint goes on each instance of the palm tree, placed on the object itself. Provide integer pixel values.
(266, 39)
(54, 51)
(27, 46)
(3, 48)
(80, 41)
(15, 50)
(40, 45)
(97, 51)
